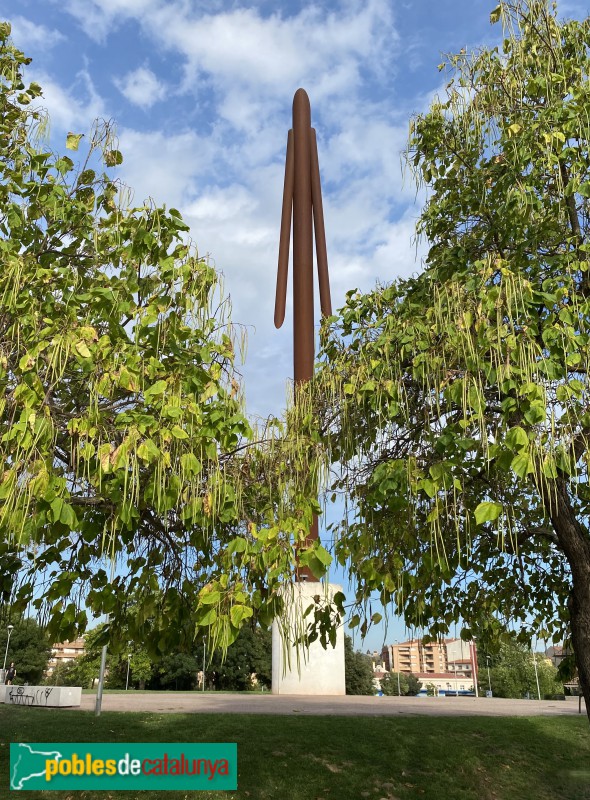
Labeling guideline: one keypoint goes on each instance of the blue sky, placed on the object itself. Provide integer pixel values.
(201, 96)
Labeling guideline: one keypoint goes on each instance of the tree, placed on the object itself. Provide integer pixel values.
(457, 400)
(29, 648)
(141, 669)
(128, 471)
(249, 655)
(358, 671)
(77, 672)
(414, 685)
(178, 671)
(395, 684)
(512, 673)
(409, 685)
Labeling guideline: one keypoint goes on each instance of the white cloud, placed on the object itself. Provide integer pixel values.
(141, 87)
(75, 107)
(28, 35)
(98, 18)
(163, 166)
(241, 47)
(277, 53)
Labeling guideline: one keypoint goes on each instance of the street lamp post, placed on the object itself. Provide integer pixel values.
(398, 686)
(10, 629)
(473, 658)
(127, 681)
(489, 679)
(536, 674)
(204, 651)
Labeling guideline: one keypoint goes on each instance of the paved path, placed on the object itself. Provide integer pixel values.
(244, 703)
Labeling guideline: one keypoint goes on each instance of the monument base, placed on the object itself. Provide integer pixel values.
(56, 696)
(314, 671)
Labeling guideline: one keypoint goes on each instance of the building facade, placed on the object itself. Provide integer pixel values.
(450, 665)
(63, 652)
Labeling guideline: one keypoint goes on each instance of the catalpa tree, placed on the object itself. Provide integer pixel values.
(128, 471)
(458, 400)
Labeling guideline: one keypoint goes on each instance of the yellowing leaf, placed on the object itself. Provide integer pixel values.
(82, 349)
(112, 158)
(104, 456)
(73, 140)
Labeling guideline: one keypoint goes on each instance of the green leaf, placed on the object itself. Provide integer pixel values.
(68, 516)
(237, 545)
(522, 464)
(517, 439)
(238, 613)
(158, 388)
(536, 413)
(56, 507)
(211, 597)
(207, 618)
(428, 486)
(322, 554)
(178, 432)
(487, 512)
(148, 451)
(190, 464)
(549, 467)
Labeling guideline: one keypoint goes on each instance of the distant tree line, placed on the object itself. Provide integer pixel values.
(246, 666)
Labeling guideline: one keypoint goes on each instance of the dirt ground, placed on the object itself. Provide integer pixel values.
(244, 703)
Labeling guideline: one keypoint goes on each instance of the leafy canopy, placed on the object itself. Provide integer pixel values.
(128, 472)
(457, 400)
(512, 673)
(358, 671)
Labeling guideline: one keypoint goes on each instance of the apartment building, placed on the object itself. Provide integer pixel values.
(449, 664)
(415, 656)
(62, 652)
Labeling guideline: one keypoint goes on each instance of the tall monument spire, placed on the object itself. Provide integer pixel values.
(302, 201)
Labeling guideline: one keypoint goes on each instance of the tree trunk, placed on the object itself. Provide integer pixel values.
(575, 542)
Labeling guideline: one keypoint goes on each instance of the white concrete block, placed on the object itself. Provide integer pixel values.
(317, 671)
(44, 696)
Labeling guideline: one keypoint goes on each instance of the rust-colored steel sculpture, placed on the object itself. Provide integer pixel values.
(302, 196)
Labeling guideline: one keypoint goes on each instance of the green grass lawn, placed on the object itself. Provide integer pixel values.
(341, 758)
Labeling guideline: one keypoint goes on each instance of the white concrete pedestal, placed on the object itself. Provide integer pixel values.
(57, 696)
(316, 671)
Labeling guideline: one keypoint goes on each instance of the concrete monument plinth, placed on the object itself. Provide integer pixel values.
(45, 696)
(316, 671)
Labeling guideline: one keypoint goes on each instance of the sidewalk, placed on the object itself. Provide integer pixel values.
(244, 703)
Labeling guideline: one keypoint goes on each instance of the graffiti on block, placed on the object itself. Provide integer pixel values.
(29, 695)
